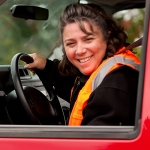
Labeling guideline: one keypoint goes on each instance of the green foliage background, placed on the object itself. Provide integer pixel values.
(30, 36)
(133, 22)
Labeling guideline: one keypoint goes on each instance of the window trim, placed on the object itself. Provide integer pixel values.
(92, 132)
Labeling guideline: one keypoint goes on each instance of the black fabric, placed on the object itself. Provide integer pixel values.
(112, 103)
(62, 84)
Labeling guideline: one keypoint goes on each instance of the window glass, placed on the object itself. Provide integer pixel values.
(132, 21)
(28, 36)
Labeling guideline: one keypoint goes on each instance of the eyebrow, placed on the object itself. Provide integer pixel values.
(82, 37)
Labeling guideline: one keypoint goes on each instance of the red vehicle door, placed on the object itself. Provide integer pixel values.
(137, 137)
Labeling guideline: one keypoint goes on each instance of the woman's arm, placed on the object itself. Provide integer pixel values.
(51, 76)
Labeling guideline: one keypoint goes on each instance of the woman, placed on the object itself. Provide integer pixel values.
(96, 75)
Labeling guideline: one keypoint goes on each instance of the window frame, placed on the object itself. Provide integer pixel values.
(86, 132)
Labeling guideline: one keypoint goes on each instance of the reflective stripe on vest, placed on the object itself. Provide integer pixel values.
(126, 58)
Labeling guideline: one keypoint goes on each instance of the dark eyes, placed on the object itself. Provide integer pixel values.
(89, 39)
(69, 44)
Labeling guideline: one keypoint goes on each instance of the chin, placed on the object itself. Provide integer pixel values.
(87, 72)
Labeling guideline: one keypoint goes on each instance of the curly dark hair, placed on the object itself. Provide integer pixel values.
(113, 33)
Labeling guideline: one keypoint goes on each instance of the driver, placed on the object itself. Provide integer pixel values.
(96, 75)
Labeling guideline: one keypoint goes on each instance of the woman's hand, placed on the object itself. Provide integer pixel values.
(39, 62)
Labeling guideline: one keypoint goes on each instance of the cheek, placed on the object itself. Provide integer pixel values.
(101, 52)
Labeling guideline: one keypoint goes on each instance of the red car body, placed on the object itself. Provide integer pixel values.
(140, 140)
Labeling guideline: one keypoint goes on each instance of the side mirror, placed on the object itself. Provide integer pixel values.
(29, 12)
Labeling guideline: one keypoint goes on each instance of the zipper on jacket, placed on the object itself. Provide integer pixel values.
(75, 92)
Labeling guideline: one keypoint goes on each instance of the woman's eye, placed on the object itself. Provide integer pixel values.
(69, 44)
(89, 39)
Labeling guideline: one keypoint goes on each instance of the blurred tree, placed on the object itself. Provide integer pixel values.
(28, 36)
(132, 21)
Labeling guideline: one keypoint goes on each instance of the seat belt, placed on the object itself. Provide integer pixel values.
(134, 44)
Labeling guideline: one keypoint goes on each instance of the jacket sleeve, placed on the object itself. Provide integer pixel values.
(51, 76)
(114, 101)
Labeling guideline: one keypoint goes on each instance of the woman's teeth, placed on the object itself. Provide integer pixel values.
(84, 60)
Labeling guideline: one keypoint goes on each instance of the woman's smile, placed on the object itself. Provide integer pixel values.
(84, 51)
(84, 59)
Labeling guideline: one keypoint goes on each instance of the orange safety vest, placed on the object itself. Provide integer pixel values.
(120, 59)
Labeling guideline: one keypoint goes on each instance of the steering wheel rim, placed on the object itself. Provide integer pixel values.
(21, 95)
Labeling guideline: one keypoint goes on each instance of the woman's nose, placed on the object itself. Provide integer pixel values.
(80, 50)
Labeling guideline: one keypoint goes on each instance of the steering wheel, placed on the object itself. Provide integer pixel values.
(32, 106)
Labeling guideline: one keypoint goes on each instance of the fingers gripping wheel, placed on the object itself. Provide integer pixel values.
(35, 104)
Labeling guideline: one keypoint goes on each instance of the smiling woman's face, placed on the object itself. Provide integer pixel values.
(84, 51)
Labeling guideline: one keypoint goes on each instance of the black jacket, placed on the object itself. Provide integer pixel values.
(112, 103)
